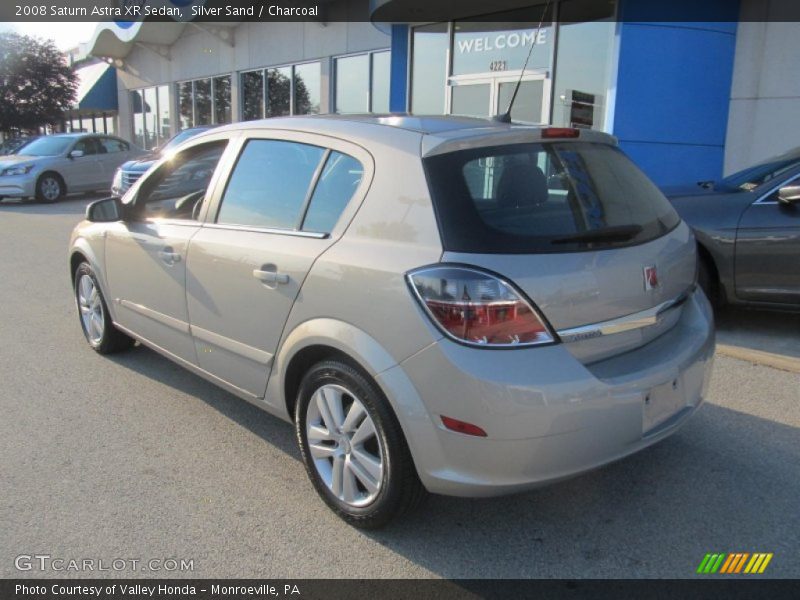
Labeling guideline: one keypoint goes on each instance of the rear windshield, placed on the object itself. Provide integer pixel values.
(550, 197)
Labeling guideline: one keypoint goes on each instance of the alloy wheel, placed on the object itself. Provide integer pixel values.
(344, 444)
(50, 188)
(91, 308)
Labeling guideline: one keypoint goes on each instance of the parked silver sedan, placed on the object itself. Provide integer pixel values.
(444, 304)
(51, 166)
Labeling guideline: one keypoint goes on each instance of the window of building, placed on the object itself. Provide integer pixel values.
(252, 95)
(281, 91)
(269, 184)
(583, 63)
(429, 69)
(222, 99)
(178, 189)
(307, 89)
(362, 83)
(204, 101)
(151, 124)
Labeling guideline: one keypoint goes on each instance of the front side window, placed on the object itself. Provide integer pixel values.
(551, 197)
(269, 184)
(88, 146)
(177, 189)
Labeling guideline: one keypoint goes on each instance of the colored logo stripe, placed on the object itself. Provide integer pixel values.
(734, 562)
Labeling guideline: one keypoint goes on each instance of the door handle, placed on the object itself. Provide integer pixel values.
(271, 277)
(169, 256)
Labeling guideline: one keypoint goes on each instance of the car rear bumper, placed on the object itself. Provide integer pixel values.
(548, 416)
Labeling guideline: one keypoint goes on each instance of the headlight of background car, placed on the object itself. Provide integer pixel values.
(17, 170)
(116, 183)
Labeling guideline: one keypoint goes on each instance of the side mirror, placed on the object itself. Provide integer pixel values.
(76, 154)
(107, 210)
(789, 194)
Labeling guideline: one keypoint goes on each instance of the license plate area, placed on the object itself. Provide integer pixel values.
(662, 402)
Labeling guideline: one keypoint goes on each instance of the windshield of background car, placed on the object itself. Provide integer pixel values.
(752, 177)
(545, 197)
(47, 146)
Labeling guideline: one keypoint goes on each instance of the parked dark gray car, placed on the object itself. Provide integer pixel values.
(747, 227)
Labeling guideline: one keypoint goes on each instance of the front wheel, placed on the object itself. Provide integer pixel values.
(353, 448)
(50, 188)
(96, 323)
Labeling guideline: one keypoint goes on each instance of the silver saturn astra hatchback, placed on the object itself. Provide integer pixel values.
(446, 304)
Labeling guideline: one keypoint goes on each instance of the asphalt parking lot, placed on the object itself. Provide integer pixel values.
(132, 457)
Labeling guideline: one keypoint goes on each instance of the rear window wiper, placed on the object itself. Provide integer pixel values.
(621, 233)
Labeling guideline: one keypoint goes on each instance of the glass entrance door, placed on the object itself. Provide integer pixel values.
(488, 95)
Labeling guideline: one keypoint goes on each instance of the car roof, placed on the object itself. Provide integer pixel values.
(440, 132)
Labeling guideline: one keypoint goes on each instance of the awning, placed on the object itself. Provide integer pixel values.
(114, 39)
(97, 88)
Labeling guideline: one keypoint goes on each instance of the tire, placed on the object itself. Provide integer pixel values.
(378, 480)
(50, 188)
(708, 281)
(96, 324)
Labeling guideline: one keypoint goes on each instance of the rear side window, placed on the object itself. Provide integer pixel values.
(551, 197)
(112, 145)
(337, 184)
(269, 184)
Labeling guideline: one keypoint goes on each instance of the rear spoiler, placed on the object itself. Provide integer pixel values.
(466, 139)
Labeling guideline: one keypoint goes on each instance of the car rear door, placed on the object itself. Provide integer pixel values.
(767, 250)
(113, 152)
(286, 201)
(146, 253)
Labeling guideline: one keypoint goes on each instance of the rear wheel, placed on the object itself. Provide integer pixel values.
(95, 320)
(352, 446)
(50, 188)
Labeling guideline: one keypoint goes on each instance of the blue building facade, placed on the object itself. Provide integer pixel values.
(662, 88)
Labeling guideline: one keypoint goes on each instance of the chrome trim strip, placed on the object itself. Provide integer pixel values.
(260, 356)
(638, 320)
(763, 198)
(293, 232)
(156, 316)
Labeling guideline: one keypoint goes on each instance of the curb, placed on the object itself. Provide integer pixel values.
(776, 361)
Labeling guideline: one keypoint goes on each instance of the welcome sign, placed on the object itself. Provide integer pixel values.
(478, 48)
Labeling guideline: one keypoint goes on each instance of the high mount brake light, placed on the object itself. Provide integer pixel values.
(478, 308)
(560, 132)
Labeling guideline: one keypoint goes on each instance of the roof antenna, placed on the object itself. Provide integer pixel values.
(506, 116)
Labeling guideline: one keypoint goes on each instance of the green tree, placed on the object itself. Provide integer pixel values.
(36, 84)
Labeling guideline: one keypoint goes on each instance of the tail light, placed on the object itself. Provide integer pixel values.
(560, 132)
(477, 308)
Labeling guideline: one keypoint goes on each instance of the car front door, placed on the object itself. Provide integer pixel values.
(146, 253)
(768, 250)
(283, 205)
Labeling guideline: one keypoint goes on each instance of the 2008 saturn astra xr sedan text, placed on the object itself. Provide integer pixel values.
(446, 304)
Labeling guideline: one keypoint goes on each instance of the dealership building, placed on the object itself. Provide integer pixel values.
(688, 100)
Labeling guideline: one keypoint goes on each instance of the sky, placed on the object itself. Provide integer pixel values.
(65, 35)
